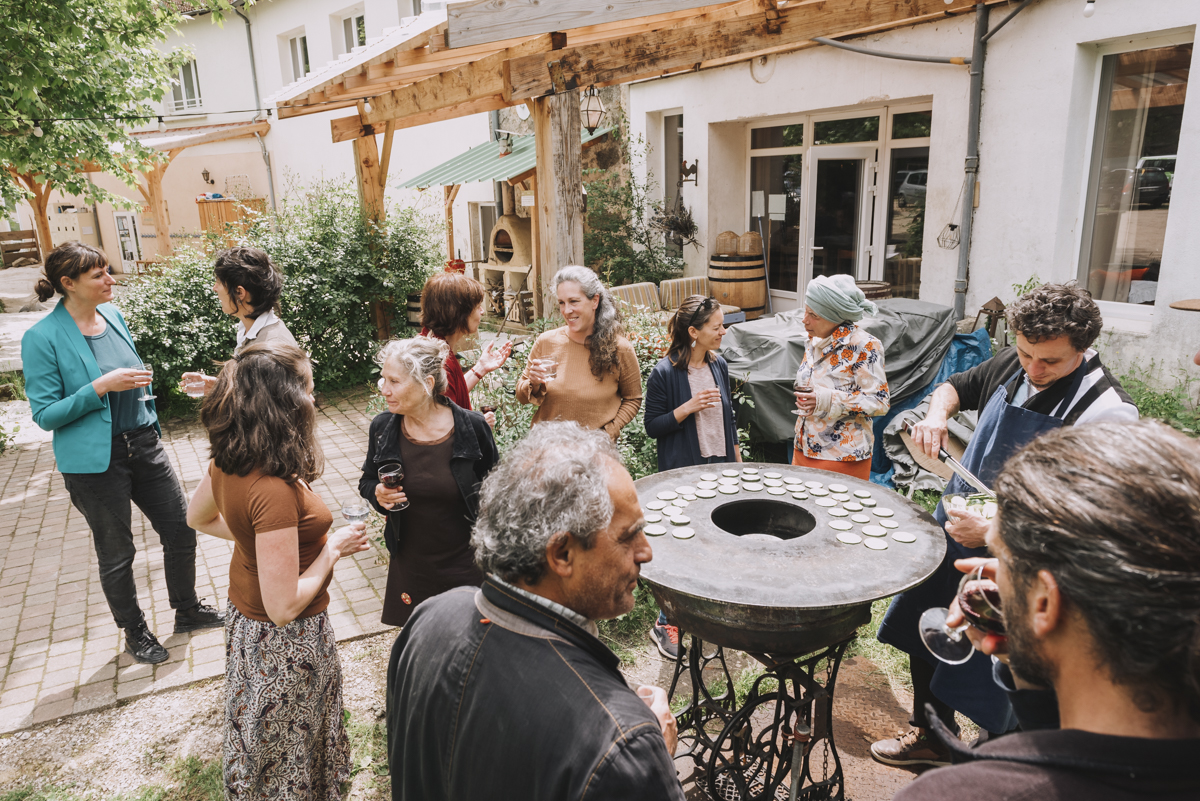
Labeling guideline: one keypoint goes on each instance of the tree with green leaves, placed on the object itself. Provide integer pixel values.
(75, 76)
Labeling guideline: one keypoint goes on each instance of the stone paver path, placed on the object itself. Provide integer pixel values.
(61, 653)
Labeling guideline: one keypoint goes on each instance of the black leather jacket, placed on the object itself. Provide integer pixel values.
(492, 697)
(474, 454)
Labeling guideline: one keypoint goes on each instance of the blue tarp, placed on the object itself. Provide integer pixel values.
(966, 351)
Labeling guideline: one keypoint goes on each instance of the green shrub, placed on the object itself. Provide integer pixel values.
(1176, 406)
(335, 264)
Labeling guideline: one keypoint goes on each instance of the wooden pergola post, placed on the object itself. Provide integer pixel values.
(157, 201)
(558, 190)
(449, 193)
(370, 184)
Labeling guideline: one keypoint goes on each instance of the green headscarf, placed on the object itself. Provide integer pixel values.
(838, 299)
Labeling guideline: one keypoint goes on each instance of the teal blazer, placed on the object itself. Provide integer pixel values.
(59, 371)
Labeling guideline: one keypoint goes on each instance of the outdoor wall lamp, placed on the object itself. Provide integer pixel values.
(591, 110)
(205, 175)
(1089, 8)
(162, 126)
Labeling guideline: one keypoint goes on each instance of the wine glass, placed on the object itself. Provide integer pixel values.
(549, 369)
(979, 600)
(803, 385)
(150, 369)
(391, 475)
(355, 509)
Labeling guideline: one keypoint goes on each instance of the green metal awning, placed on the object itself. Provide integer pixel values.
(484, 163)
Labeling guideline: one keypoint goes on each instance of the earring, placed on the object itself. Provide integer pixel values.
(693, 343)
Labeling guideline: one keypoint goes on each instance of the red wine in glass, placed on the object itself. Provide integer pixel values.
(979, 599)
(486, 408)
(391, 475)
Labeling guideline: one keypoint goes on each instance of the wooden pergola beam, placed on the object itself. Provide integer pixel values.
(345, 129)
(688, 46)
(463, 84)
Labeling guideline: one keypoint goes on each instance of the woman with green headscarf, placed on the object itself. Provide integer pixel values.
(841, 384)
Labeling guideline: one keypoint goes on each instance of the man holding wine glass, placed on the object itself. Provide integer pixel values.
(1051, 379)
(1097, 568)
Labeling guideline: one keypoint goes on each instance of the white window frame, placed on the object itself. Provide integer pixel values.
(350, 33)
(185, 103)
(1130, 317)
(295, 46)
(873, 253)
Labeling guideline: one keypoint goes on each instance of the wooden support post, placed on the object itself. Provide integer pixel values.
(158, 212)
(534, 283)
(450, 192)
(559, 193)
(366, 169)
(388, 132)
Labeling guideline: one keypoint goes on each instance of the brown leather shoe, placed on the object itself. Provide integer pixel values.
(913, 747)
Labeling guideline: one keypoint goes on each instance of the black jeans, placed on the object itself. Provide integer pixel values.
(139, 472)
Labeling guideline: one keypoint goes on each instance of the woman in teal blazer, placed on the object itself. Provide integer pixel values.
(85, 382)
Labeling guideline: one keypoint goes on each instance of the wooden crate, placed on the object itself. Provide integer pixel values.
(19, 245)
(228, 218)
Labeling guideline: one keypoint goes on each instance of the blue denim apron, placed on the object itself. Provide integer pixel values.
(1003, 429)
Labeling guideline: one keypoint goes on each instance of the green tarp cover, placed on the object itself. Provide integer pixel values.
(764, 355)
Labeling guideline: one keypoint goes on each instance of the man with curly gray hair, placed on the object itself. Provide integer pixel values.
(506, 691)
(1050, 378)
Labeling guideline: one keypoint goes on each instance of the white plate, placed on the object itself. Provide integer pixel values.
(686, 489)
(861, 494)
(652, 517)
(772, 475)
(875, 531)
(904, 536)
(728, 489)
(839, 496)
(706, 493)
(838, 513)
(889, 524)
(861, 518)
(667, 495)
(753, 487)
(852, 506)
(706, 485)
(838, 488)
(882, 512)
(840, 525)
(708, 477)
(656, 505)
(876, 545)
(813, 484)
(800, 496)
(773, 482)
(683, 533)
(776, 491)
(826, 502)
(818, 491)
(731, 473)
(849, 537)
(655, 530)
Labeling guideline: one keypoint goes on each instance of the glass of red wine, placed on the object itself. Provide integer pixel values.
(979, 599)
(391, 475)
(803, 386)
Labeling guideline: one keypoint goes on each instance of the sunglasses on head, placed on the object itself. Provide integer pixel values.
(705, 305)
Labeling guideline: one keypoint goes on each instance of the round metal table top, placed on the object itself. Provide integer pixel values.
(766, 535)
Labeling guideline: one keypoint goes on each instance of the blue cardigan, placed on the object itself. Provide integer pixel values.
(59, 371)
(666, 390)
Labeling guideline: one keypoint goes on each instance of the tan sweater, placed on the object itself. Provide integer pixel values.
(575, 394)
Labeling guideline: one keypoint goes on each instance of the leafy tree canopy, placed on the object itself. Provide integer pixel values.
(83, 72)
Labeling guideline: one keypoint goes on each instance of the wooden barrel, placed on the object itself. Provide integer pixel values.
(414, 311)
(739, 281)
(875, 290)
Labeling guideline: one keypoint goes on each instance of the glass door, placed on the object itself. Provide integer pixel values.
(840, 195)
(127, 239)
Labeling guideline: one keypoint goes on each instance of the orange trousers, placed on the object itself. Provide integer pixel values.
(860, 469)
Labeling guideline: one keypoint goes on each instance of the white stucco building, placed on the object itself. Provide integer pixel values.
(832, 155)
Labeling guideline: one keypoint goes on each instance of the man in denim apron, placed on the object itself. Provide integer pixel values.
(1051, 378)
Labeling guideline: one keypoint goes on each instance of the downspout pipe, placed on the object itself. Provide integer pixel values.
(978, 53)
(258, 109)
(494, 124)
(866, 51)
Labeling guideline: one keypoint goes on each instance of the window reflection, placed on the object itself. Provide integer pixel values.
(775, 213)
(906, 221)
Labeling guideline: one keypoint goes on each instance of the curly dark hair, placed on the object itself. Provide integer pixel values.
(1119, 529)
(447, 301)
(1056, 310)
(692, 313)
(260, 416)
(252, 270)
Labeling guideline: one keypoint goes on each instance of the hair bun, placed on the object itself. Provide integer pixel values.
(44, 289)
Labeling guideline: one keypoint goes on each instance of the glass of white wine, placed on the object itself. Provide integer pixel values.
(355, 510)
(149, 368)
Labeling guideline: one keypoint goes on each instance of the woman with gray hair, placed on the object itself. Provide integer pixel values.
(441, 453)
(841, 384)
(585, 371)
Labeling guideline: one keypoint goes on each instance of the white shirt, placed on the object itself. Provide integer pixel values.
(262, 321)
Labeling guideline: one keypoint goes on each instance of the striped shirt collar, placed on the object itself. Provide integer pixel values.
(557, 608)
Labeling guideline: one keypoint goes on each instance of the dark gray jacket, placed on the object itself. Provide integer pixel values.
(491, 696)
(474, 454)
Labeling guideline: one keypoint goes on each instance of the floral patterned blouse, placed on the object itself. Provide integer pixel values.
(851, 387)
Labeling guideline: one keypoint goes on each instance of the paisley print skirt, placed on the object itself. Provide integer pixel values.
(284, 736)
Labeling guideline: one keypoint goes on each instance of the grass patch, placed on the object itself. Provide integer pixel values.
(927, 499)
(194, 780)
(892, 662)
(1176, 406)
(368, 754)
(17, 379)
(627, 633)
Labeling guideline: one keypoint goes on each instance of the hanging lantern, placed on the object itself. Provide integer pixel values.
(591, 110)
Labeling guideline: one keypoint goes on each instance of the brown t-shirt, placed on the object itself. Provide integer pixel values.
(257, 503)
